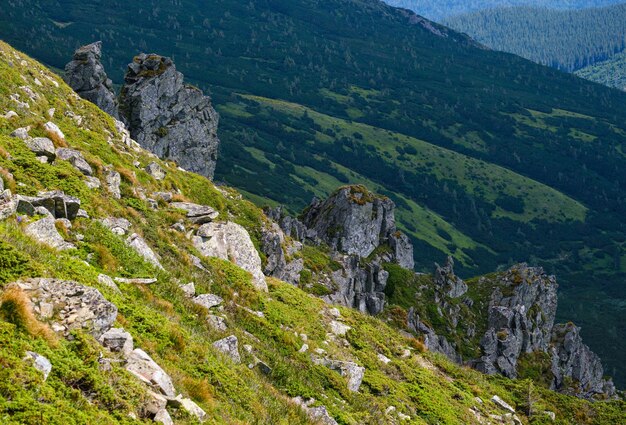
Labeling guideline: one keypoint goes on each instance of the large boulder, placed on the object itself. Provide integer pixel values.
(230, 347)
(230, 241)
(142, 248)
(198, 214)
(173, 120)
(85, 74)
(280, 255)
(42, 146)
(447, 281)
(75, 158)
(69, 305)
(56, 202)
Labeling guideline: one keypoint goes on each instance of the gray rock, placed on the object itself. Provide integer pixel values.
(56, 202)
(8, 204)
(193, 409)
(163, 417)
(503, 404)
(10, 115)
(137, 243)
(351, 370)
(318, 414)
(148, 371)
(155, 170)
(338, 328)
(173, 120)
(75, 158)
(432, 341)
(189, 289)
(86, 75)
(279, 255)
(92, 182)
(42, 146)
(40, 363)
(136, 281)
(53, 131)
(230, 347)
(118, 341)
(198, 214)
(217, 322)
(230, 241)
(208, 300)
(113, 181)
(572, 359)
(155, 403)
(449, 283)
(70, 305)
(45, 231)
(21, 133)
(108, 282)
(119, 226)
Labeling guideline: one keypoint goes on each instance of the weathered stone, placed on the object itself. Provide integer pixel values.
(503, 404)
(198, 214)
(53, 131)
(338, 328)
(136, 280)
(119, 226)
(450, 283)
(42, 146)
(217, 322)
(143, 367)
(56, 202)
(173, 120)
(75, 158)
(230, 241)
(383, 359)
(75, 306)
(163, 417)
(40, 363)
(113, 181)
(318, 414)
(85, 74)
(432, 341)
(279, 255)
(10, 115)
(189, 289)
(572, 360)
(108, 282)
(155, 403)
(193, 409)
(8, 204)
(155, 170)
(92, 182)
(230, 347)
(137, 243)
(21, 133)
(45, 231)
(208, 300)
(351, 370)
(118, 340)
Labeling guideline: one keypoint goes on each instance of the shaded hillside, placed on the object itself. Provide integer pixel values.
(443, 9)
(313, 94)
(566, 40)
(611, 72)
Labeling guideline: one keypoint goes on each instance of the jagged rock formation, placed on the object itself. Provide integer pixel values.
(173, 120)
(520, 312)
(359, 228)
(280, 255)
(86, 75)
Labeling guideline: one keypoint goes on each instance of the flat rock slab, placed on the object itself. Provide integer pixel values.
(75, 158)
(137, 243)
(208, 300)
(198, 214)
(45, 231)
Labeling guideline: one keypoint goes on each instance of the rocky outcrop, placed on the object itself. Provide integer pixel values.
(75, 158)
(58, 204)
(350, 370)
(432, 341)
(230, 241)
(520, 319)
(69, 305)
(197, 214)
(230, 347)
(141, 365)
(85, 74)
(573, 361)
(142, 248)
(281, 261)
(360, 229)
(447, 281)
(173, 120)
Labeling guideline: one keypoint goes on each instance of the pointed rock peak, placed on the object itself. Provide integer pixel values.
(445, 278)
(179, 123)
(85, 74)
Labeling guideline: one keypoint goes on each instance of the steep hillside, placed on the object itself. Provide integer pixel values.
(118, 316)
(489, 157)
(443, 9)
(567, 40)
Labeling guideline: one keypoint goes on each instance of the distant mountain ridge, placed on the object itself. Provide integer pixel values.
(440, 9)
(564, 39)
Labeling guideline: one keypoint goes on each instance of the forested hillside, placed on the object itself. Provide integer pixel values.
(490, 158)
(568, 40)
(440, 9)
(611, 72)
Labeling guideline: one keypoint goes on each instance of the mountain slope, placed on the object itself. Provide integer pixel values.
(369, 70)
(566, 40)
(611, 72)
(88, 383)
(439, 10)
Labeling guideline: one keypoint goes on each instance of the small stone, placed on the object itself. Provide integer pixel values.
(217, 322)
(229, 346)
(163, 417)
(304, 348)
(40, 363)
(21, 133)
(338, 328)
(384, 359)
(141, 247)
(119, 226)
(334, 312)
(208, 300)
(51, 112)
(10, 115)
(54, 131)
(45, 231)
(113, 181)
(108, 282)
(155, 170)
(118, 341)
(136, 281)
(82, 214)
(143, 367)
(193, 409)
(550, 415)
(75, 158)
(188, 289)
(155, 403)
(503, 404)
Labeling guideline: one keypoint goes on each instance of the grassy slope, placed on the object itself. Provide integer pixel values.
(175, 332)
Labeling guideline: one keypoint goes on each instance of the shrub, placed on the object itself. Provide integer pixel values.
(16, 309)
